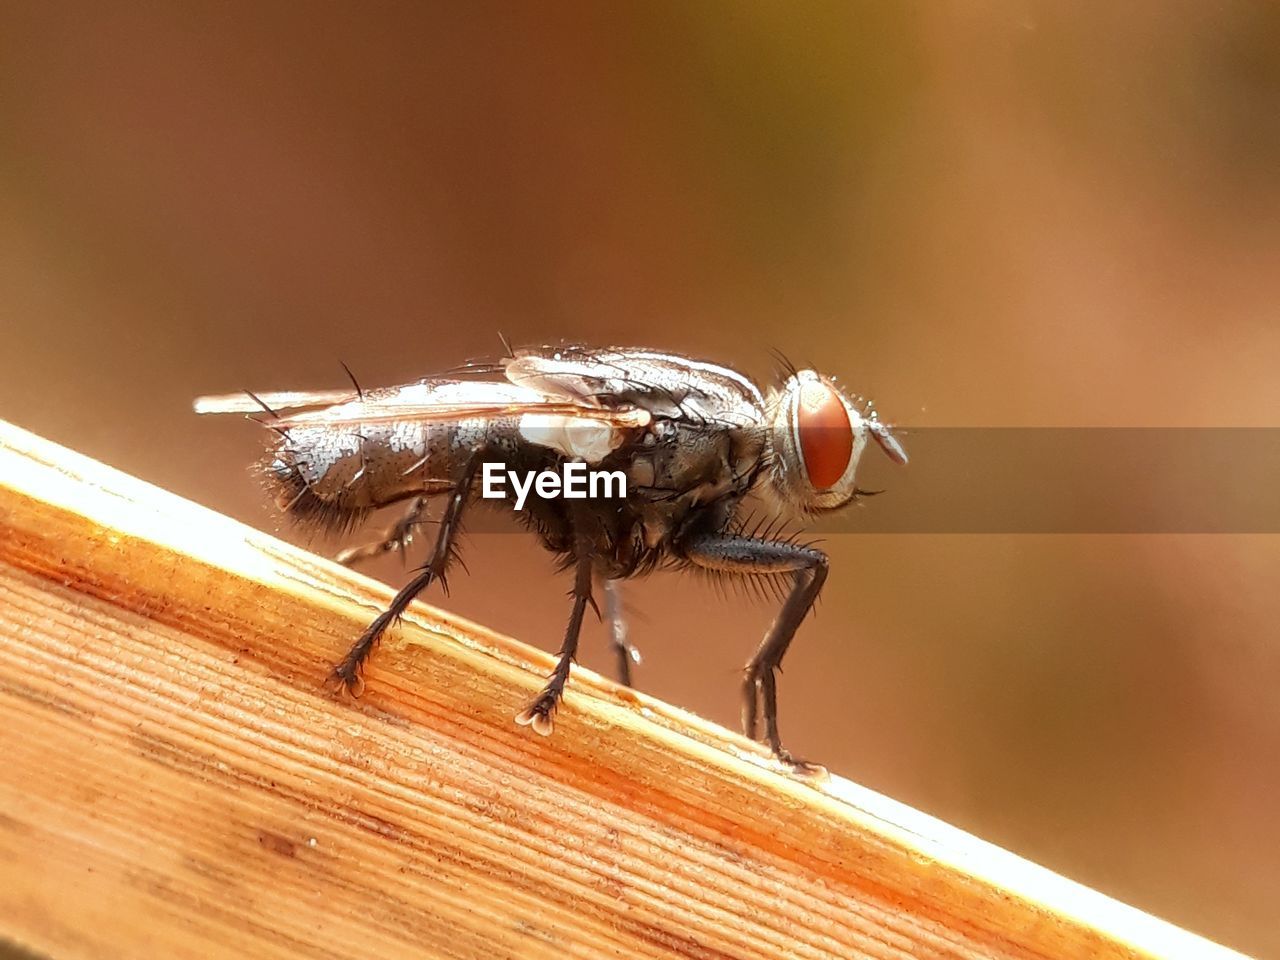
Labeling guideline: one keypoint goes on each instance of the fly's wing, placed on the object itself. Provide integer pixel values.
(271, 403)
(576, 428)
(448, 399)
(667, 385)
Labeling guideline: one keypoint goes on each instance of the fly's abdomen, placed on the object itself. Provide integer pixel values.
(334, 476)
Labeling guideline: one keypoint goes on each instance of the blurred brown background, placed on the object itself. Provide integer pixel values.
(996, 213)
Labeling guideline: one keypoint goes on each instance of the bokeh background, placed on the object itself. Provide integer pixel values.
(982, 214)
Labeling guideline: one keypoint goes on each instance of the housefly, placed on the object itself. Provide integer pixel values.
(692, 439)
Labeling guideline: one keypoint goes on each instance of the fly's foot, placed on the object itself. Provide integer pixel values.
(540, 715)
(350, 556)
(394, 539)
(348, 674)
(760, 702)
(798, 767)
(347, 678)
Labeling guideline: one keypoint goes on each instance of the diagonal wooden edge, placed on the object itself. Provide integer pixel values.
(179, 782)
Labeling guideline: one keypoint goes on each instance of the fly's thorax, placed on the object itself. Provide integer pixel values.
(704, 434)
(683, 465)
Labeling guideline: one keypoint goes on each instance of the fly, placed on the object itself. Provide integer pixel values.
(689, 439)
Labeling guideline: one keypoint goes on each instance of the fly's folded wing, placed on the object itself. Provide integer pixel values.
(667, 385)
(576, 427)
(272, 403)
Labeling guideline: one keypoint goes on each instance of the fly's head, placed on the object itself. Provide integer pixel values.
(817, 435)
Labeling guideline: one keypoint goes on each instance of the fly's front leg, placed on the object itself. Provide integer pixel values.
(749, 556)
(395, 537)
(617, 623)
(349, 670)
(541, 713)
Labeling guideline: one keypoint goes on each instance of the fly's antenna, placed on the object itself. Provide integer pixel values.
(883, 435)
(354, 382)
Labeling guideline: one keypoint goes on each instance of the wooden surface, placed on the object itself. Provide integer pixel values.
(177, 782)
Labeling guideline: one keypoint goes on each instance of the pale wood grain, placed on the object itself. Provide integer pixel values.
(177, 782)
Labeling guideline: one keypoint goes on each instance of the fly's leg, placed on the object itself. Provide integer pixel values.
(540, 714)
(749, 556)
(349, 670)
(395, 537)
(614, 616)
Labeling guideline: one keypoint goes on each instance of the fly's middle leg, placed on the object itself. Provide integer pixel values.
(617, 623)
(349, 670)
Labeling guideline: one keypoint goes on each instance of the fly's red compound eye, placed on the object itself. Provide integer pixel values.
(825, 434)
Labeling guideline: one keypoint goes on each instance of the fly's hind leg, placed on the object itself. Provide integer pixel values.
(398, 536)
(540, 714)
(348, 672)
(617, 623)
(751, 556)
